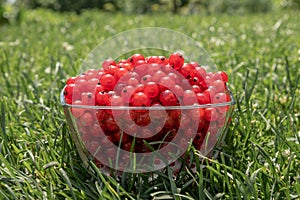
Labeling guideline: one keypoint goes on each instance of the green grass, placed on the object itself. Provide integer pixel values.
(260, 161)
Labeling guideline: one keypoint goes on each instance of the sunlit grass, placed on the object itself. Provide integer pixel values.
(261, 158)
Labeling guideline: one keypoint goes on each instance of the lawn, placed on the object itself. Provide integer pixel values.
(261, 158)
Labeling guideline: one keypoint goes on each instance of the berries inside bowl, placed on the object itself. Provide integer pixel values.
(143, 113)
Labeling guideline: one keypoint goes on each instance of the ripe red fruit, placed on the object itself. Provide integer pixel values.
(87, 119)
(210, 114)
(71, 80)
(68, 93)
(151, 89)
(88, 99)
(203, 98)
(120, 72)
(176, 60)
(166, 83)
(133, 81)
(220, 98)
(102, 98)
(108, 62)
(168, 98)
(177, 89)
(145, 79)
(144, 82)
(126, 93)
(140, 99)
(136, 57)
(108, 82)
(189, 97)
(77, 112)
(157, 76)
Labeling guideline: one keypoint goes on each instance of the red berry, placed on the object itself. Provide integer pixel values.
(88, 99)
(140, 99)
(210, 114)
(219, 85)
(166, 83)
(203, 98)
(177, 89)
(108, 62)
(136, 57)
(146, 79)
(157, 76)
(87, 119)
(189, 97)
(133, 81)
(168, 98)
(108, 82)
(220, 98)
(68, 93)
(77, 112)
(127, 92)
(186, 70)
(221, 76)
(120, 72)
(102, 98)
(176, 60)
(111, 69)
(71, 80)
(151, 89)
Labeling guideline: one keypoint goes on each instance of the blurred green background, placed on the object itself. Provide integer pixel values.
(11, 10)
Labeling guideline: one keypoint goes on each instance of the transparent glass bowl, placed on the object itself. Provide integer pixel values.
(144, 139)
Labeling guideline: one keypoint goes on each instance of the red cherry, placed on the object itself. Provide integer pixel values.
(210, 114)
(203, 98)
(102, 98)
(168, 98)
(166, 83)
(95, 130)
(116, 101)
(87, 119)
(189, 97)
(177, 89)
(220, 98)
(174, 77)
(77, 112)
(111, 125)
(82, 85)
(153, 68)
(157, 76)
(221, 76)
(186, 70)
(151, 89)
(133, 81)
(108, 82)
(111, 69)
(219, 85)
(68, 93)
(140, 99)
(176, 60)
(146, 79)
(195, 64)
(196, 89)
(99, 88)
(108, 62)
(127, 92)
(88, 99)
(136, 57)
(120, 72)
(92, 83)
(71, 80)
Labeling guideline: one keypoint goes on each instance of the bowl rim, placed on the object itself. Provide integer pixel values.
(180, 107)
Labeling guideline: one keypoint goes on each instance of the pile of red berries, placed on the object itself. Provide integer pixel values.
(139, 82)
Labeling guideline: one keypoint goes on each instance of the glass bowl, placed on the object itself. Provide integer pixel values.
(146, 139)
